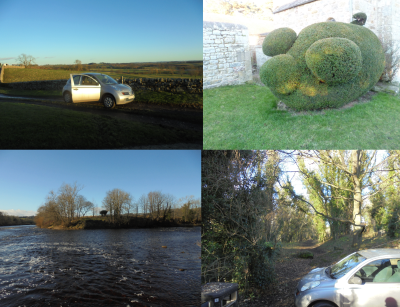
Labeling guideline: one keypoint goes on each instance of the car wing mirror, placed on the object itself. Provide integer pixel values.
(355, 280)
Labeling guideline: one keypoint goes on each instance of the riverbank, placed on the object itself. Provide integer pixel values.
(123, 223)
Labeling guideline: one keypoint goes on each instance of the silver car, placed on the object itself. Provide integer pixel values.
(367, 278)
(97, 87)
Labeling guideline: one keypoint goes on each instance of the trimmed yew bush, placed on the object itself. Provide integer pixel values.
(330, 64)
(279, 41)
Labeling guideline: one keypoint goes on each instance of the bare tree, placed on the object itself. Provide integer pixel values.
(78, 64)
(392, 60)
(115, 201)
(68, 199)
(87, 206)
(26, 60)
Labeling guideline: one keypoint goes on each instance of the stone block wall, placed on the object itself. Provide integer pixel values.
(191, 86)
(226, 54)
(1, 73)
(38, 85)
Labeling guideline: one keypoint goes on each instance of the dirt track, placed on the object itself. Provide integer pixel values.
(289, 271)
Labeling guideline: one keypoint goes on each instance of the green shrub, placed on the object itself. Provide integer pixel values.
(306, 255)
(334, 60)
(279, 41)
(314, 79)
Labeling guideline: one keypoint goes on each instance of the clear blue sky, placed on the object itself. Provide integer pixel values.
(60, 32)
(27, 177)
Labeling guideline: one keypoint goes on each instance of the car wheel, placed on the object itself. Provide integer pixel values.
(109, 101)
(323, 304)
(67, 97)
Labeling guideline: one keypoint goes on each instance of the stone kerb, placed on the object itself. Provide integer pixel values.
(226, 54)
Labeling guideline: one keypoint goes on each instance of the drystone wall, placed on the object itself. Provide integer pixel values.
(1, 73)
(191, 86)
(162, 85)
(226, 54)
(37, 85)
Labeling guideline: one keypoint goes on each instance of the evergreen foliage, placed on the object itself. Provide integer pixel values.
(330, 64)
(279, 41)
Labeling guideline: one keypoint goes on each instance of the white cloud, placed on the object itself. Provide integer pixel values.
(19, 212)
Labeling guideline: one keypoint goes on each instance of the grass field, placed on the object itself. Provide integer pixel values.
(26, 126)
(245, 117)
(32, 74)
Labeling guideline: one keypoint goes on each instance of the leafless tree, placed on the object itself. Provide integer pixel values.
(78, 64)
(115, 202)
(68, 199)
(392, 60)
(26, 60)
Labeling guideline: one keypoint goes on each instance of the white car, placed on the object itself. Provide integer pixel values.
(367, 278)
(97, 87)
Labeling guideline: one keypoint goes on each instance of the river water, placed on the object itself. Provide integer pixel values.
(105, 267)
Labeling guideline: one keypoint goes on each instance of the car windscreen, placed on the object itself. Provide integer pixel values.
(340, 269)
(106, 79)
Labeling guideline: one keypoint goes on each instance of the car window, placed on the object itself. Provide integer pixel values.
(345, 265)
(106, 79)
(378, 271)
(88, 81)
(76, 79)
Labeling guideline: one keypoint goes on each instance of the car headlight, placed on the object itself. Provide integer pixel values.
(310, 285)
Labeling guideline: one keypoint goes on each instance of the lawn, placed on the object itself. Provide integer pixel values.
(245, 117)
(27, 126)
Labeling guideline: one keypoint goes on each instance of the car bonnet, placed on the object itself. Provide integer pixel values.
(317, 274)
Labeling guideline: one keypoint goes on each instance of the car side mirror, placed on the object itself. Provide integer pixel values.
(355, 280)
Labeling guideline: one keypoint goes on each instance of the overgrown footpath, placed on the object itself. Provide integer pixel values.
(246, 117)
(290, 268)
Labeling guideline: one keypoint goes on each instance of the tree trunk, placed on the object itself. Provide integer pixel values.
(357, 232)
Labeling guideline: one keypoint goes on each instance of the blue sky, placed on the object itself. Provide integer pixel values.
(27, 177)
(60, 32)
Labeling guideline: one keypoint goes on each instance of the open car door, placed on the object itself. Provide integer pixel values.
(84, 88)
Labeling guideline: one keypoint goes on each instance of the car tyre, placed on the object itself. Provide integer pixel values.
(109, 101)
(67, 97)
(323, 304)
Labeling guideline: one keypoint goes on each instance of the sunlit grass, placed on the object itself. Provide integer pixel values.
(245, 117)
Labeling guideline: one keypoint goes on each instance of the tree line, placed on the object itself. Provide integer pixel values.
(8, 220)
(67, 204)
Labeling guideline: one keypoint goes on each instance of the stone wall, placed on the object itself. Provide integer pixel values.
(226, 54)
(166, 85)
(1, 73)
(38, 85)
(163, 85)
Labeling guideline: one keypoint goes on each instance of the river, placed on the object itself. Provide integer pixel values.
(105, 267)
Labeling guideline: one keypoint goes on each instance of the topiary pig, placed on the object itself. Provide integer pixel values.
(326, 66)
